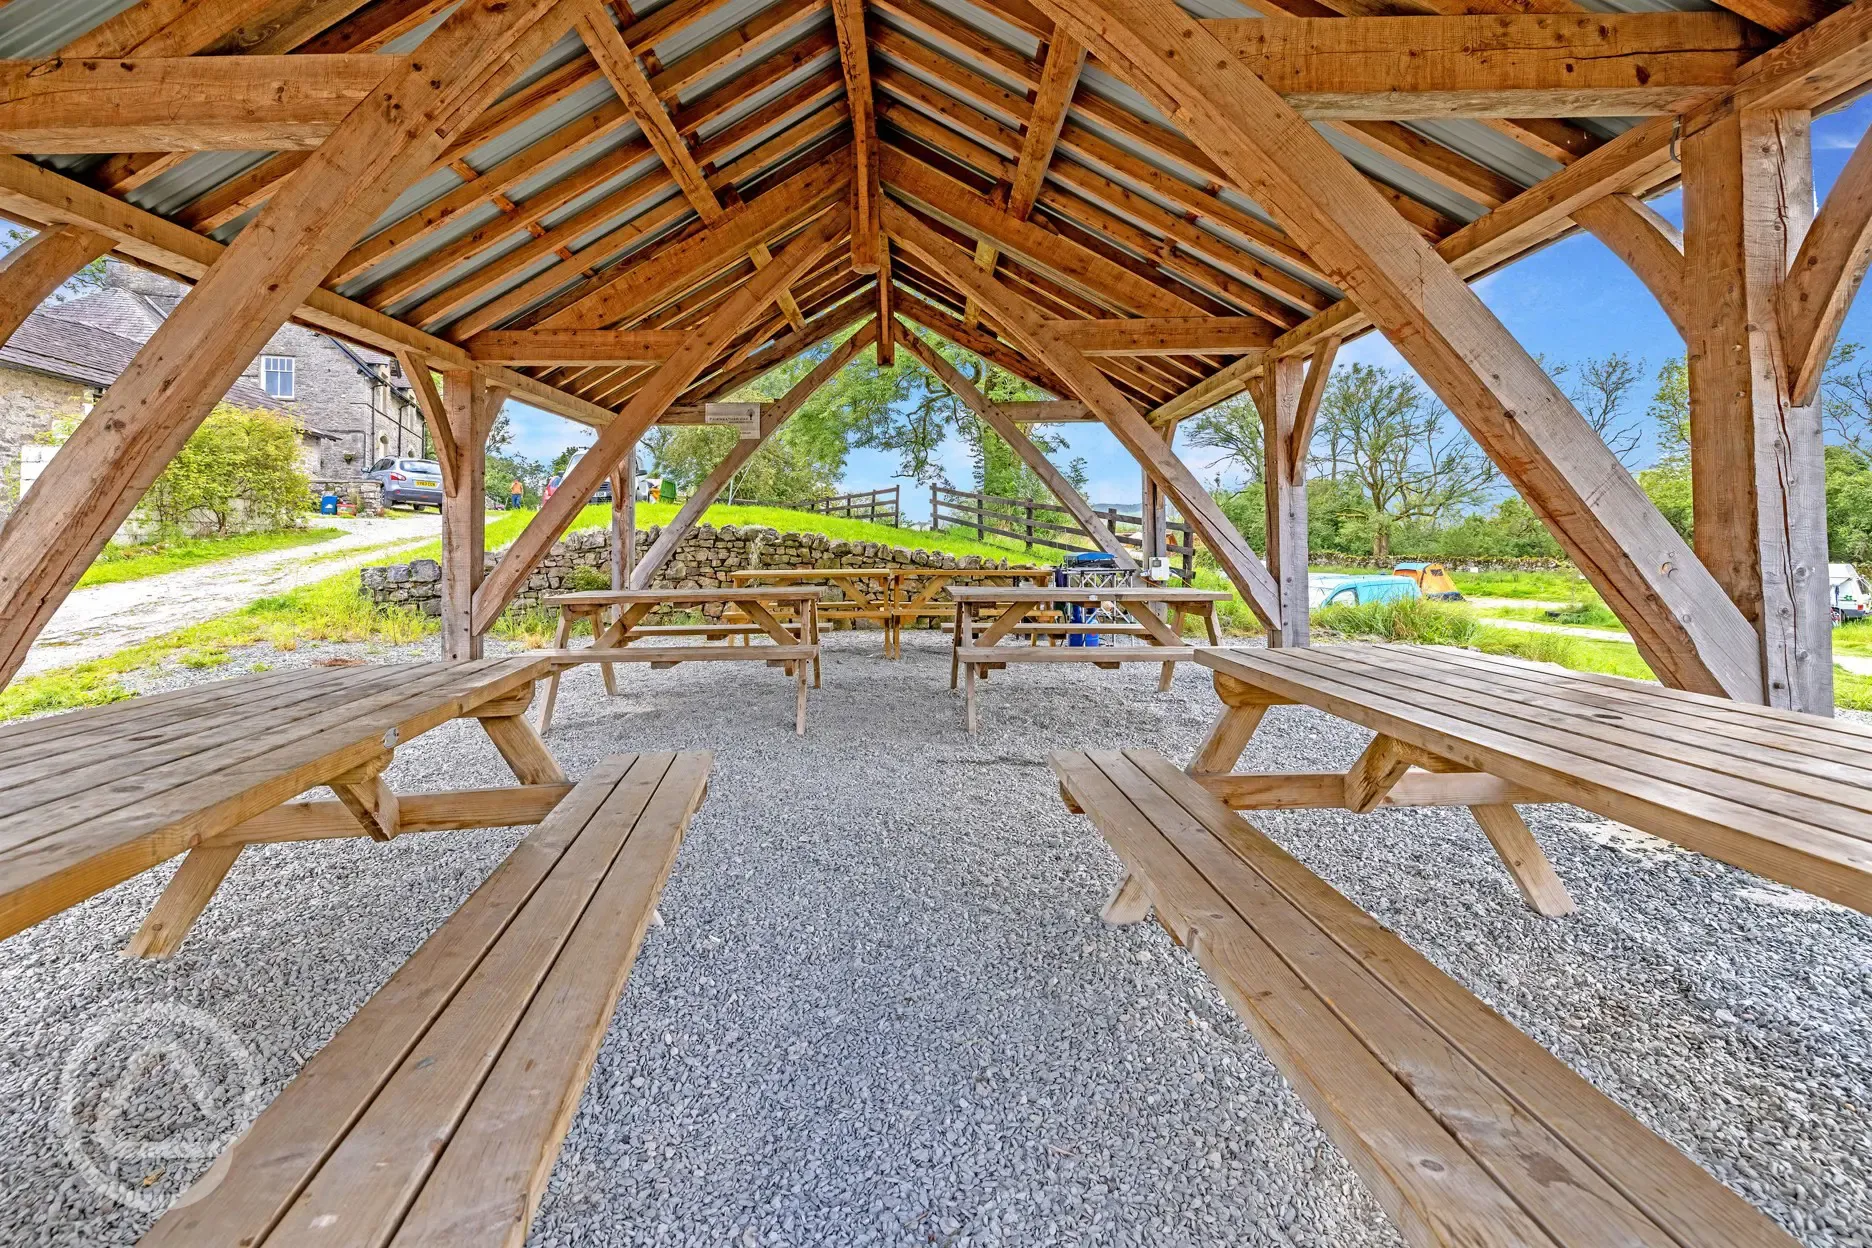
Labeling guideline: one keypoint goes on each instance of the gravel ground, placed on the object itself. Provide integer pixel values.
(883, 1010)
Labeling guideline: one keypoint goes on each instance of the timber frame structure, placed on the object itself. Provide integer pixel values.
(621, 214)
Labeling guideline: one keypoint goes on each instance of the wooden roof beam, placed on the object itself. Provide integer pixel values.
(1059, 77)
(855, 62)
(1492, 65)
(1198, 335)
(182, 104)
(551, 347)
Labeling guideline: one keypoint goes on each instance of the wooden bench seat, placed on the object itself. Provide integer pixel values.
(1466, 1130)
(433, 1117)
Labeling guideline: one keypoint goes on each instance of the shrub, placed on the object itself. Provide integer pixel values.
(588, 580)
(239, 469)
(1418, 620)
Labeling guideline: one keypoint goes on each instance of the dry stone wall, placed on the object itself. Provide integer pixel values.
(703, 559)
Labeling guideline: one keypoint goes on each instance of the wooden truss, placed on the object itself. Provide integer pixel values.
(620, 216)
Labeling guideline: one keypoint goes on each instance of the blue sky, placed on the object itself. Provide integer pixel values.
(1569, 301)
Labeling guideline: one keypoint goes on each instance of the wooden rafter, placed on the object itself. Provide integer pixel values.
(34, 269)
(1825, 275)
(620, 65)
(1649, 245)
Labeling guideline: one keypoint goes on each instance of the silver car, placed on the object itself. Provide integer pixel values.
(415, 483)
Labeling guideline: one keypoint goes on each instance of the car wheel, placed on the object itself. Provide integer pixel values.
(1837, 617)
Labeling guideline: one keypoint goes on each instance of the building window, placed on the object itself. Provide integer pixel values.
(276, 374)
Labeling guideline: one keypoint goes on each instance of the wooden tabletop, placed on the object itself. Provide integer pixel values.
(1783, 794)
(1050, 593)
(90, 798)
(614, 597)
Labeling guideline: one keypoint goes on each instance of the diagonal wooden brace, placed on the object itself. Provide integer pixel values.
(368, 798)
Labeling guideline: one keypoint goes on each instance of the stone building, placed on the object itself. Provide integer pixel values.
(357, 396)
(53, 368)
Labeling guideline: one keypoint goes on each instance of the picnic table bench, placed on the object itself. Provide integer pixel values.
(93, 797)
(889, 595)
(432, 1119)
(988, 615)
(795, 639)
(1465, 1130)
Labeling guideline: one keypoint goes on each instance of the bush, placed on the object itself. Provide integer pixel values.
(240, 469)
(1420, 620)
(588, 580)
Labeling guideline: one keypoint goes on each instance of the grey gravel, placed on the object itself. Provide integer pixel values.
(883, 1010)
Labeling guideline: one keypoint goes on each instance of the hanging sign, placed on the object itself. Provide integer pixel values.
(744, 418)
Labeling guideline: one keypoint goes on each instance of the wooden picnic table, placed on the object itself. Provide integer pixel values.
(794, 648)
(93, 797)
(868, 592)
(896, 586)
(1780, 793)
(1156, 640)
(918, 600)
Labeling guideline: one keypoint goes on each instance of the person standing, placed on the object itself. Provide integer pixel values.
(516, 494)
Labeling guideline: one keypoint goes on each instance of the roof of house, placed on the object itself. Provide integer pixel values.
(60, 346)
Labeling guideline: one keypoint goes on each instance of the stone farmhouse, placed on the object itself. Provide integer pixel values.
(355, 404)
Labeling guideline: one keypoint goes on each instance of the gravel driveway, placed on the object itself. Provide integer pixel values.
(103, 619)
(883, 1010)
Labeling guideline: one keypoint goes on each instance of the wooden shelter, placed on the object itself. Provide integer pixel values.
(619, 215)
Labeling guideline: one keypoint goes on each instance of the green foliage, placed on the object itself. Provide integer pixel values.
(1849, 506)
(1668, 487)
(1420, 620)
(1233, 427)
(588, 580)
(240, 468)
(1670, 412)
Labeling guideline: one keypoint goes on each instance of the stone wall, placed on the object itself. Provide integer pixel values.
(29, 402)
(703, 559)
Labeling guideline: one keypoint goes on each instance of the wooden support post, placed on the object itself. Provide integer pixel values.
(1685, 626)
(624, 519)
(470, 405)
(39, 266)
(1031, 455)
(369, 799)
(1128, 904)
(181, 903)
(1289, 402)
(263, 276)
(1382, 765)
(520, 745)
(1757, 470)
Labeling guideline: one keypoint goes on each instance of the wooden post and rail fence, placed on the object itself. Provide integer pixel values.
(877, 506)
(1040, 523)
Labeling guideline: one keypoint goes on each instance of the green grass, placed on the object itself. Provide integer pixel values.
(1574, 615)
(1560, 585)
(133, 563)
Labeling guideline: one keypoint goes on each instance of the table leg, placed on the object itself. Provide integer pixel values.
(812, 630)
(608, 669)
(183, 901)
(1533, 874)
(969, 696)
(799, 701)
(526, 754)
(1209, 624)
(1128, 904)
(1169, 669)
(552, 681)
(1226, 741)
(956, 635)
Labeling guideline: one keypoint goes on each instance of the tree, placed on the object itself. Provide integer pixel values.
(240, 468)
(1846, 400)
(1233, 427)
(1396, 451)
(1670, 412)
(1600, 387)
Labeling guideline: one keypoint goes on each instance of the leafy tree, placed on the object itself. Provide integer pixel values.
(1233, 427)
(1397, 451)
(1670, 412)
(1846, 400)
(1849, 506)
(239, 469)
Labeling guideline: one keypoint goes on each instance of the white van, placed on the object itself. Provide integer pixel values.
(1851, 599)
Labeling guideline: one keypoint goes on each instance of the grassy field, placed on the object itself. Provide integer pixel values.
(134, 562)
